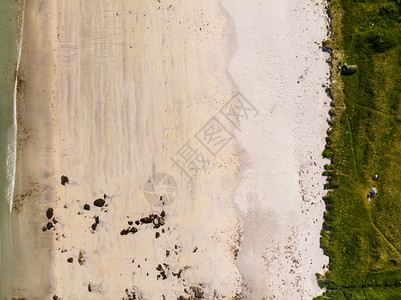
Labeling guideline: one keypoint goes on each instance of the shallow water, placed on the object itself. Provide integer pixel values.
(8, 63)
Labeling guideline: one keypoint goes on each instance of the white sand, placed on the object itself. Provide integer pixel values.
(280, 69)
(131, 83)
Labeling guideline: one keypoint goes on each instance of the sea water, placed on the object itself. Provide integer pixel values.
(9, 57)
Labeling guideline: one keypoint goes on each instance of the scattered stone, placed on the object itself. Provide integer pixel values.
(44, 228)
(167, 253)
(64, 180)
(104, 196)
(55, 221)
(94, 225)
(178, 274)
(87, 207)
(89, 288)
(130, 222)
(163, 214)
(81, 258)
(157, 234)
(99, 202)
(70, 260)
(130, 295)
(49, 225)
(96, 219)
(49, 213)
(137, 222)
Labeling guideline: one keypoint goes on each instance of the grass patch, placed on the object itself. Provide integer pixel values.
(362, 237)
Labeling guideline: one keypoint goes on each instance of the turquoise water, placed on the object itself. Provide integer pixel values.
(8, 64)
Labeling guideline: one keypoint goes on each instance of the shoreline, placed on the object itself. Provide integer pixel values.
(28, 261)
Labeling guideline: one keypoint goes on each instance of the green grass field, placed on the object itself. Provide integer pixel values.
(362, 237)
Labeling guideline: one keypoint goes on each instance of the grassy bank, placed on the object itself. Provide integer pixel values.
(362, 237)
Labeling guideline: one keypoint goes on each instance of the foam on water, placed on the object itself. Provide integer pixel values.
(12, 134)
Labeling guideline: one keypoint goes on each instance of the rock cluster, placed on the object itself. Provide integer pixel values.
(64, 180)
(162, 274)
(128, 230)
(155, 219)
(130, 295)
(195, 292)
(49, 215)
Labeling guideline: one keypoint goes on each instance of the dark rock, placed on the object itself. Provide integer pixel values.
(159, 267)
(70, 260)
(104, 196)
(178, 274)
(64, 180)
(163, 274)
(130, 222)
(167, 253)
(163, 214)
(133, 230)
(89, 288)
(49, 225)
(87, 207)
(157, 234)
(146, 220)
(97, 220)
(197, 292)
(44, 228)
(137, 222)
(156, 226)
(99, 202)
(162, 230)
(156, 221)
(49, 213)
(55, 221)
(124, 232)
(94, 225)
(55, 297)
(162, 222)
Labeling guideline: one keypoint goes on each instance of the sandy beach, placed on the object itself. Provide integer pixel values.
(191, 136)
